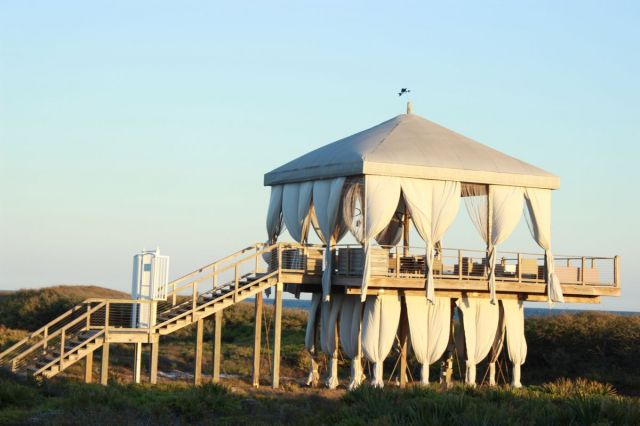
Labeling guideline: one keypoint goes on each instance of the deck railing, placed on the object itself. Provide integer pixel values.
(453, 264)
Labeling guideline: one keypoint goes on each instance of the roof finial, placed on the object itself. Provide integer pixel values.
(406, 91)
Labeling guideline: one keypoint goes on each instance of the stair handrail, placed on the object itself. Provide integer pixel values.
(171, 286)
(42, 330)
(57, 332)
(70, 352)
(193, 300)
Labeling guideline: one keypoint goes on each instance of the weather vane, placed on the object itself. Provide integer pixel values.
(403, 91)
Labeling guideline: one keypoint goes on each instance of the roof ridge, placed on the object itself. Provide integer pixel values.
(399, 117)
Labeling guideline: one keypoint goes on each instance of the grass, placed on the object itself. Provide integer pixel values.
(593, 355)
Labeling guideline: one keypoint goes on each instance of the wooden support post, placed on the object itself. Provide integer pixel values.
(257, 337)
(403, 334)
(137, 362)
(616, 271)
(276, 336)
(153, 368)
(88, 368)
(104, 368)
(217, 346)
(197, 373)
(519, 268)
(583, 264)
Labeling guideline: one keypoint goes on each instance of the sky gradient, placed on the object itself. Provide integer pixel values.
(126, 125)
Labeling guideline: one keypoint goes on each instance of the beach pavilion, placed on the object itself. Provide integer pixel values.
(375, 184)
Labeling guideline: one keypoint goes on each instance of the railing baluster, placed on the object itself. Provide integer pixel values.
(235, 280)
(194, 295)
(582, 270)
(62, 338)
(616, 271)
(460, 265)
(397, 262)
(519, 267)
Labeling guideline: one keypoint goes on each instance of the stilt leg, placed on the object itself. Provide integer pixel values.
(257, 340)
(153, 369)
(276, 336)
(197, 373)
(104, 368)
(137, 362)
(217, 346)
(88, 368)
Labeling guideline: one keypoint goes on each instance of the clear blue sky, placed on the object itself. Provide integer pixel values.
(134, 124)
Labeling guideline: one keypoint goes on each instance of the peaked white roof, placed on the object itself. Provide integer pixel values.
(411, 146)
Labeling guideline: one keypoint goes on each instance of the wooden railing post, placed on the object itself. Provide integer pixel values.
(62, 338)
(88, 316)
(616, 271)
(46, 335)
(257, 265)
(235, 282)
(279, 262)
(460, 265)
(519, 268)
(106, 320)
(215, 275)
(582, 270)
(397, 263)
(194, 295)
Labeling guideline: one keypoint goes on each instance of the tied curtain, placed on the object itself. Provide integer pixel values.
(274, 214)
(496, 221)
(382, 194)
(433, 206)
(516, 342)
(329, 336)
(350, 329)
(379, 326)
(480, 322)
(310, 337)
(296, 202)
(327, 196)
(429, 326)
(539, 208)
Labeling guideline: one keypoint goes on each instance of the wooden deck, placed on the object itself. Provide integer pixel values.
(457, 272)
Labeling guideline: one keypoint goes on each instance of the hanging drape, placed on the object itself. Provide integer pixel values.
(310, 337)
(429, 326)
(496, 347)
(505, 207)
(480, 323)
(352, 207)
(516, 342)
(329, 336)
(296, 202)
(539, 208)
(327, 195)
(433, 206)
(274, 214)
(350, 331)
(379, 326)
(381, 199)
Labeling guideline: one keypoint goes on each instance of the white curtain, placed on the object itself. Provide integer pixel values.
(506, 208)
(381, 199)
(379, 327)
(329, 336)
(350, 330)
(429, 326)
(539, 208)
(296, 202)
(274, 214)
(480, 323)
(310, 338)
(433, 206)
(352, 207)
(327, 194)
(516, 342)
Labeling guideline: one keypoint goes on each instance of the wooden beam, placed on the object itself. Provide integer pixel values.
(104, 368)
(217, 346)
(88, 367)
(137, 362)
(197, 371)
(403, 334)
(257, 337)
(276, 336)
(153, 368)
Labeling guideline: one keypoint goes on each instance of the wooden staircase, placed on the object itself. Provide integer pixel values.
(95, 323)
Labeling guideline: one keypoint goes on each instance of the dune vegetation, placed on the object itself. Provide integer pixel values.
(580, 370)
